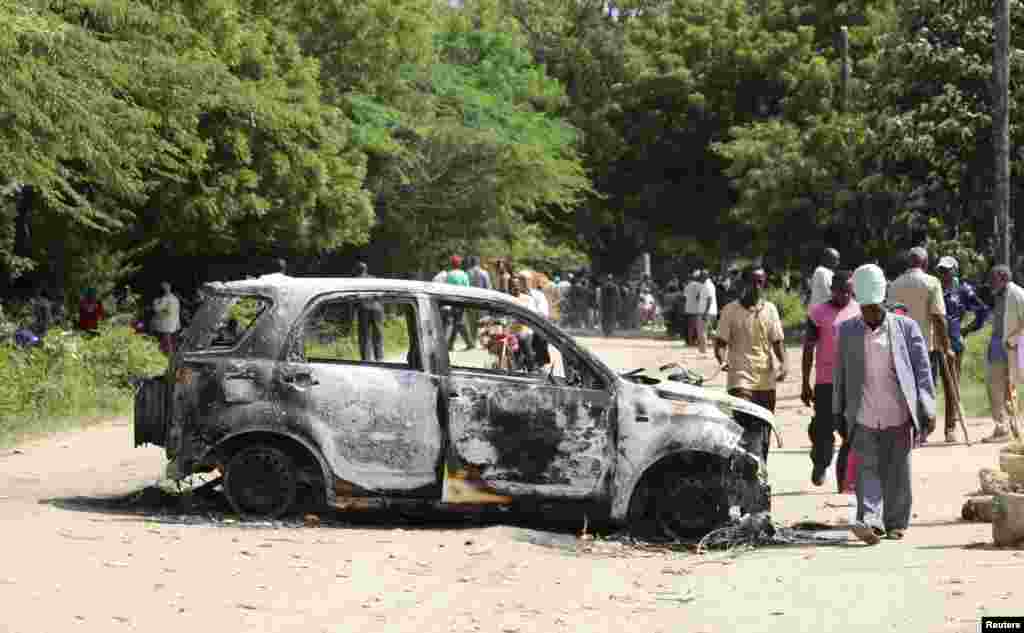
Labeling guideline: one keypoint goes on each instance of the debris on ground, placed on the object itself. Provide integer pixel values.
(977, 509)
(1002, 503)
(757, 530)
(994, 481)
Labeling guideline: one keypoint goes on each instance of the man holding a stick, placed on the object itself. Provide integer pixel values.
(960, 299)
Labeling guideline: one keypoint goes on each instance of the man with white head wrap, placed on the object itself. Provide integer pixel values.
(884, 393)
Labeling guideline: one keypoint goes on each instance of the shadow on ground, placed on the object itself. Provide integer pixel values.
(570, 535)
(210, 507)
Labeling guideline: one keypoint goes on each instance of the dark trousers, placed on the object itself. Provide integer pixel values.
(608, 322)
(457, 325)
(823, 427)
(883, 478)
(764, 399)
(371, 340)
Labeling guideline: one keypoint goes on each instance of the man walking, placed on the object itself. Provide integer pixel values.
(1003, 375)
(823, 321)
(610, 300)
(751, 330)
(707, 305)
(167, 318)
(922, 294)
(456, 322)
(821, 281)
(959, 299)
(371, 319)
(478, 277)
(672, 309)
(691, 294)
(884, 393)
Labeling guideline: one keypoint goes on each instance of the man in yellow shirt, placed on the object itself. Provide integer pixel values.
(750, 331)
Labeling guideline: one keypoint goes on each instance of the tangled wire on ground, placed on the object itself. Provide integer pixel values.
(756, 530)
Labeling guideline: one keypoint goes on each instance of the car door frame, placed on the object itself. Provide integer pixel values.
(352, 479)
(469, 476)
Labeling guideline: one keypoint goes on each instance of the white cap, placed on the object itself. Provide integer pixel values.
(948, 262)
(869, 285)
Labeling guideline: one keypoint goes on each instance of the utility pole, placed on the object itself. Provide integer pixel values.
(1001, 127)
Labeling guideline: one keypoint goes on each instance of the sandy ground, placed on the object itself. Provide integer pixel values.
(69, 563)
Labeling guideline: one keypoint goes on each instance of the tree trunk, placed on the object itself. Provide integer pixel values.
(26, 202)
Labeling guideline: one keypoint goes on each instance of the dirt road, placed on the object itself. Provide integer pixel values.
(71, 562)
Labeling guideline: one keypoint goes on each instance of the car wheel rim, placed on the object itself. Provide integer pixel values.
(261, 482)
(688, 507)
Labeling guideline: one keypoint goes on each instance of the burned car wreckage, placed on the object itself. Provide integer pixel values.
(346, 389)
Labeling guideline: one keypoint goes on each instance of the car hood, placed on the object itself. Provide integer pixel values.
(674, 390)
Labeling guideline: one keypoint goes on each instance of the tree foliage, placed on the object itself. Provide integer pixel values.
(696, 129)
(239, 126)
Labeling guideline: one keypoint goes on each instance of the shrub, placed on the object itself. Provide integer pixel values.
(69, 377)
(973, 368)
(791, 308)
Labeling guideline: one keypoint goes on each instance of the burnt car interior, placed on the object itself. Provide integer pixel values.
(238, 315)
(511, 344)
(362, 330)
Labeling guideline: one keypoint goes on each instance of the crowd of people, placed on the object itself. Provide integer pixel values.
(878, 348)
(162, 318)
(575, 300)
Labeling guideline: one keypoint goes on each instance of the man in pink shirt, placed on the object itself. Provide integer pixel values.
(823, 320)
(884, 393)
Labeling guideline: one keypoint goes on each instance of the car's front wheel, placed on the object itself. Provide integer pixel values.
(260, 481)
(678, 506)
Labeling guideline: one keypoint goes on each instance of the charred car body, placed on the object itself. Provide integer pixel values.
(347, 387)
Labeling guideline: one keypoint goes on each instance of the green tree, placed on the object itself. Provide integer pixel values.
(196, 123)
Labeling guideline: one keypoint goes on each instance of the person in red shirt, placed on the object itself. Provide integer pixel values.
(90, 311)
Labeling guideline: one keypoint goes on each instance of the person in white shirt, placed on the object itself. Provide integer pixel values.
(707, 306)
(692, 306)
(166, 318)
(540, 302)
(821, 281)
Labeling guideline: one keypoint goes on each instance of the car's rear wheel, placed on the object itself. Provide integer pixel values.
(677, 506)
(260, 481)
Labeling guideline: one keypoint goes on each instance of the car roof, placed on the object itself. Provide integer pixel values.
(307, 287)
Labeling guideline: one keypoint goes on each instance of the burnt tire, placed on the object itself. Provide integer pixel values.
(678, 507)
(260, 482)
